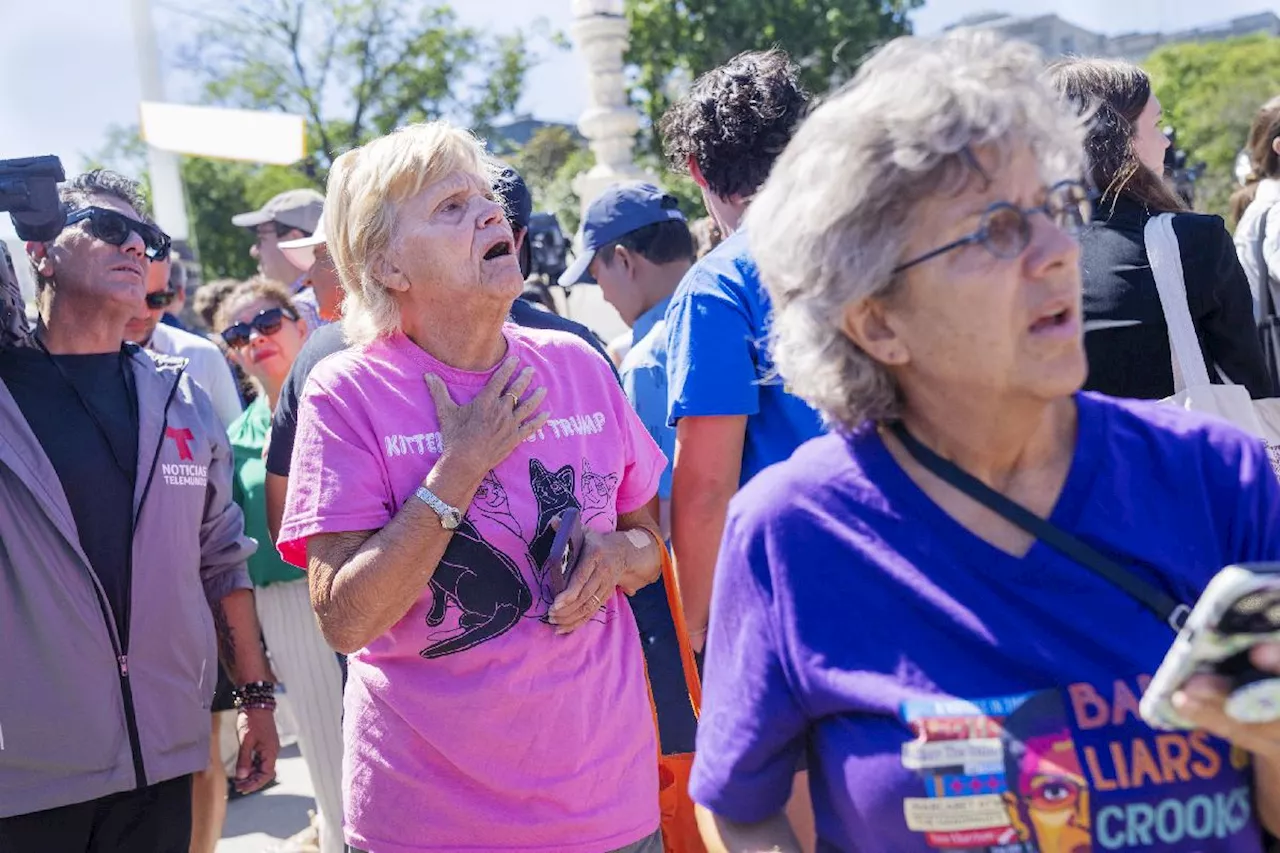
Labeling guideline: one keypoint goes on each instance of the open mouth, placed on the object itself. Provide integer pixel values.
(498, 250)
(1052, 321)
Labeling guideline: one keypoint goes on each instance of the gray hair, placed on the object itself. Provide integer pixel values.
(831, 222)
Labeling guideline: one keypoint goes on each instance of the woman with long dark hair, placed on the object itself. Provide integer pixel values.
(1126, 338)
(1258, 231)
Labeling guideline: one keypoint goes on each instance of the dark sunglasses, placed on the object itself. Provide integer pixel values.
(161, 299)
(115, 228)
(267, 323)
(1005, 229)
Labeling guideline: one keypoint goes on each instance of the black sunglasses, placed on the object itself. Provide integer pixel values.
(161, 299)
(115, 228)
(267, 323)
(1005, 229)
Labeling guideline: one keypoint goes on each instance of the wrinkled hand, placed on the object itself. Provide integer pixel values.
(600, 570)
(1201, 700)
(259, 748)
(483, 433)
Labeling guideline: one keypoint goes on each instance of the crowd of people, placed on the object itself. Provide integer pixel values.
(922, 300)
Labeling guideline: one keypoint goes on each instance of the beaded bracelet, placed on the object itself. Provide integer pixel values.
(252, 705)
(259, 695)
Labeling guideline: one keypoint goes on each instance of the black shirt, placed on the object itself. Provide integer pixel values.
(1126, 338)
(320, 344)
(328, 339)
(96, 462)
(524, 313)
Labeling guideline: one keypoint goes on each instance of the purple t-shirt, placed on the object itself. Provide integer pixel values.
(949, 696)
(469, 724)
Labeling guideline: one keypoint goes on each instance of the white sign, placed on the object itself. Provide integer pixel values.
(258, 137)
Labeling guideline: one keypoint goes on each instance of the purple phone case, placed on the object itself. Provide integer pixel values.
(566, 550)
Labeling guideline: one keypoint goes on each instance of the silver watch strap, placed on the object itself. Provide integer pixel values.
(439, 507)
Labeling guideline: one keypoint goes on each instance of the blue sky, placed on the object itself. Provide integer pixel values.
(69, 70)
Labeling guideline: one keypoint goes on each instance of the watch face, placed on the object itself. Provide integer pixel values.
(450, 520)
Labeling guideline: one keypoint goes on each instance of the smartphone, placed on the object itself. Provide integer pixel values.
(1239, 610)
(566, 551)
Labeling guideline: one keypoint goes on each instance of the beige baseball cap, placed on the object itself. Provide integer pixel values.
(302, 252)
(299, 209)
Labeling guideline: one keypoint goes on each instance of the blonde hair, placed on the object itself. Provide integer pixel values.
(366, 187)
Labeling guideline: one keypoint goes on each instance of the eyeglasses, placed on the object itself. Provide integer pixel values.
(1005, 229)
(161, 299)
(115, 228)
(277, 228)
(267, 323)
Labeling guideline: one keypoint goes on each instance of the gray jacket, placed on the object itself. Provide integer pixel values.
(85, 713)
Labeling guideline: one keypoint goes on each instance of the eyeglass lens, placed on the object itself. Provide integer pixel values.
(161, 299)
(114, 228)
(1006, 229)
(267, 323)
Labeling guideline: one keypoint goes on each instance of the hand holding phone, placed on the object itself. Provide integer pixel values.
(566, 551)
(1239, 610)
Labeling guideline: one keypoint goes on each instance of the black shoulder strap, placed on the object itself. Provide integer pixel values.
(1165, 607)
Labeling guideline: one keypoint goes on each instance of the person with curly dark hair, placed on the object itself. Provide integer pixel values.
(732, 415)
(731, 126)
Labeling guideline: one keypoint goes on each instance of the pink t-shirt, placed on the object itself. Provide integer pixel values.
(470, 726)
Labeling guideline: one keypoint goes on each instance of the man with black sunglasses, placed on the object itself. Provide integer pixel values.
(123, 558)
(205, 362)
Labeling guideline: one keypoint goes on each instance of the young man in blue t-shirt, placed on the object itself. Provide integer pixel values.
(636, 245)
(732, 414)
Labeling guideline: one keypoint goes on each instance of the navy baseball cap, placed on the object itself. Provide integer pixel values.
(516, 200)
(618, 211)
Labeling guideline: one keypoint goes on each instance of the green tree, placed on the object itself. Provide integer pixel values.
(355, 69)
(549, 162)
(1210, 92)
(673, 42)
(553, 157)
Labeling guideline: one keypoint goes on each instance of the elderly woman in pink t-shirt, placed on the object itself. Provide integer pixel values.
(433, 461)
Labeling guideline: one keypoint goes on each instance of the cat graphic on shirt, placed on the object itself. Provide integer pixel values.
(491, 501)
(597, 495)
(484, 584)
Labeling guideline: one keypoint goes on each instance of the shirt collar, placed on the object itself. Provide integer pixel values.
(648, 320)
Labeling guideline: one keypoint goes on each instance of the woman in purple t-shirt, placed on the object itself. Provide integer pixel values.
(485, 709)
(953, 683)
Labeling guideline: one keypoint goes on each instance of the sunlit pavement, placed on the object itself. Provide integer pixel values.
(260, 821)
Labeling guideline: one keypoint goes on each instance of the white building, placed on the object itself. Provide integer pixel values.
(1057, 37)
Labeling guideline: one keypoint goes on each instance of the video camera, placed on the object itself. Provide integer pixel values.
(29, 193)
(1178, 172)
(549, 248)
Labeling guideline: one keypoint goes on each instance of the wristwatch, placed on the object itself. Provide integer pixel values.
(450, 516)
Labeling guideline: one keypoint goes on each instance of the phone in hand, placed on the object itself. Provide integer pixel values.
(566, 551)
(1238, 610)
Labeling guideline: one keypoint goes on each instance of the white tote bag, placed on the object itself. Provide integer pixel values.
(1192, 389)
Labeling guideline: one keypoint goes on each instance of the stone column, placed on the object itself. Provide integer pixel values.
(609, 123)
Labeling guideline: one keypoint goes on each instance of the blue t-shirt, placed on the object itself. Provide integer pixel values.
(718, 360)
(949, 696)
(644, 381)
